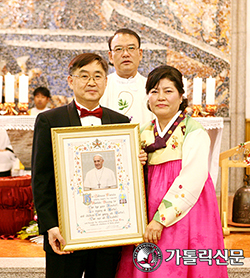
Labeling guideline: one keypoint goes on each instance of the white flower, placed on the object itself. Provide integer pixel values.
(32, 229)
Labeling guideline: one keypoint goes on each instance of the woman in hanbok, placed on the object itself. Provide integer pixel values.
(183, 212)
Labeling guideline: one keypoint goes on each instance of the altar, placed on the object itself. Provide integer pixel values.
(16, 204)
(20, 130)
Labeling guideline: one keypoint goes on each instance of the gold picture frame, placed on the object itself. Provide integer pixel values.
(96, 217)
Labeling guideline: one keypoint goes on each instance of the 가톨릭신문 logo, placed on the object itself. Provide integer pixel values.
(147, 257)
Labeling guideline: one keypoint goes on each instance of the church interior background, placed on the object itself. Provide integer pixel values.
(200, 38)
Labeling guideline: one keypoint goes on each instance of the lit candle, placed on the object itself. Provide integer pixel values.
(9, 87)
(184, 80)
(23, 88)
(197, 91)
(210, 90)
(1, 87)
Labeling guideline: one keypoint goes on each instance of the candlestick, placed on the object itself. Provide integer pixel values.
(23, 108)
(210, 90)
(197, 110)
(9, 87)
(184, 86)
(197, 91)
(1, 87)
(23, 88)
(211, 109)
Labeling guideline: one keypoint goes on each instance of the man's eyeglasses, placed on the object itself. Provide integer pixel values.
(97, 78)
(120, 49)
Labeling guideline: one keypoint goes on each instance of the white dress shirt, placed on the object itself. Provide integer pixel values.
(89, 120)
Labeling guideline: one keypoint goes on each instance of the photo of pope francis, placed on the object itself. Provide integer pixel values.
(99, 177)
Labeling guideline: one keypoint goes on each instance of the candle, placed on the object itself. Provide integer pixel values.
(184, 86)
(197, 91)
(210, 90)
(23, 88)
(9, 87)
(1, 87)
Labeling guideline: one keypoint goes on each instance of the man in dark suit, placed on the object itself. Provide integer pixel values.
(87, 78)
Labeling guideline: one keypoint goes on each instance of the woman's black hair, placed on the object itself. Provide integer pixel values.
(170, 73)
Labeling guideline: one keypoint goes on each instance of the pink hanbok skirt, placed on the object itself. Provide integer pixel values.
(200, 229)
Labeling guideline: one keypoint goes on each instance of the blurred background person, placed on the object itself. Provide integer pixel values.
(7, 156)
(41, 99)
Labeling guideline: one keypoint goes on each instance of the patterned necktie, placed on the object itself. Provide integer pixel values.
(84, 112)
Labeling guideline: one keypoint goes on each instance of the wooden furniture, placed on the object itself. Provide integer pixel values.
(231, 158)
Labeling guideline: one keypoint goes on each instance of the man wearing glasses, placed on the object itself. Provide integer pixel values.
(125, 91)
(87, 78)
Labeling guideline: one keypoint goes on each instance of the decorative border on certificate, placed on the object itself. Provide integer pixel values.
(99, 185)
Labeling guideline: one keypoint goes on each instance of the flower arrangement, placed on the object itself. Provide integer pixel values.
(242, 154)
(29, 231)
(247, 159)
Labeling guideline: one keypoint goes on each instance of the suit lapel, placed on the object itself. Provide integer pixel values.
(105, 117)
(73, 115)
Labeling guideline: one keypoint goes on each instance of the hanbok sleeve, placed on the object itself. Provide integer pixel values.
(187, 187)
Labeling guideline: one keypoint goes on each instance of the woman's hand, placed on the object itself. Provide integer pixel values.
(143, 157)
(153, 232)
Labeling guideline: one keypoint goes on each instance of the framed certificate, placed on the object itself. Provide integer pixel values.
(99, 186)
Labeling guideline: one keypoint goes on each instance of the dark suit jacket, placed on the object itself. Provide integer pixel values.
(43, 180)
